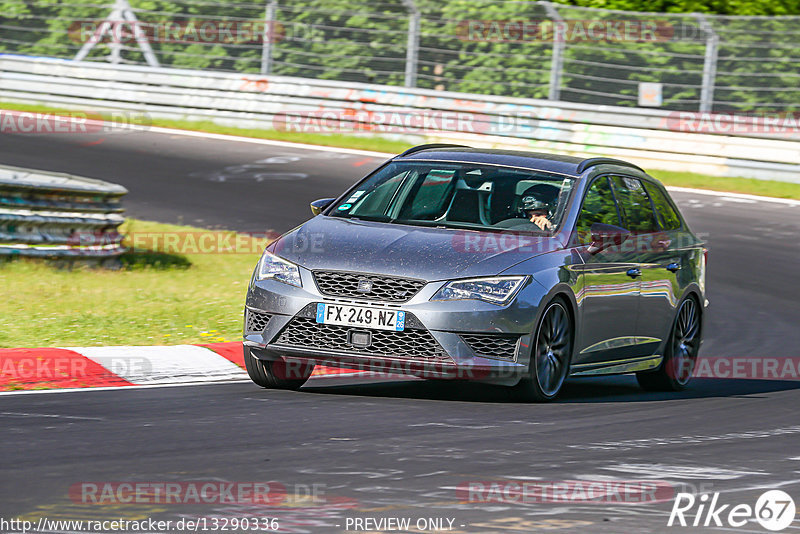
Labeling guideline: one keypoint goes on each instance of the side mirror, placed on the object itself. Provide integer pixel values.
(605, 236)
(319, 205)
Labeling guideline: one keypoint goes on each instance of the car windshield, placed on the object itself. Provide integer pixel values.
(459, 195)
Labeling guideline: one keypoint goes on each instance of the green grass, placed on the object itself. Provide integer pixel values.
(684, 179)
(752, 186)
(158, 296)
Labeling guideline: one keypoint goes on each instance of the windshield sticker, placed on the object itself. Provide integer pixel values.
(441, 174)
(344, 207)
(355, 196)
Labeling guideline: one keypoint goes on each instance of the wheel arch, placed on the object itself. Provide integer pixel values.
(563, 292)
(692, 290)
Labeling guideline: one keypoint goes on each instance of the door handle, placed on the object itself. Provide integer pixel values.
(673, 267)
(633, 273)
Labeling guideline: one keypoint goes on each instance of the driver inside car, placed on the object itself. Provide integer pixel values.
(538, 212)
(536, 204)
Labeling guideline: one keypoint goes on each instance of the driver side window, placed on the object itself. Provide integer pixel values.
(598, 207)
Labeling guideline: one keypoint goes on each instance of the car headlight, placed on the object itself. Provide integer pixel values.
(271, 266)
(497, 290)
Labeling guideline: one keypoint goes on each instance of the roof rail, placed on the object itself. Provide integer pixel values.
(591, 162)
(428, 146)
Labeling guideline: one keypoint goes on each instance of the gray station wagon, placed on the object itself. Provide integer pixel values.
(507, 267)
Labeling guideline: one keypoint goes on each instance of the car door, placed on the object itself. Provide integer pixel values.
(654, 252)
(609, 296)
(668, 269)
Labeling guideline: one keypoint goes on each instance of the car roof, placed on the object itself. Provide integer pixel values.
(559, 163)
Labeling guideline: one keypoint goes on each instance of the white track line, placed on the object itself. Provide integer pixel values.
(118, 388)
(258, 141)
(311, 382)
(741, 196)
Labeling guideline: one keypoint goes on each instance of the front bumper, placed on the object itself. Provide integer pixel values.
(443, 339)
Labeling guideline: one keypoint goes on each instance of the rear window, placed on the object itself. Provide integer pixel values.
(668, 218)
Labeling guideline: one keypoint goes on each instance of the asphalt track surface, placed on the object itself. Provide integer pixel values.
(401, 448)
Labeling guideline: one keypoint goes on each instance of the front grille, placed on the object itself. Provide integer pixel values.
(255, 322)
(386, 288)
(304, 332)
(492, 345)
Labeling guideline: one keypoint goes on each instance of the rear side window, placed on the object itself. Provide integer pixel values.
(667, 216)
(634, 205)
(598, 207)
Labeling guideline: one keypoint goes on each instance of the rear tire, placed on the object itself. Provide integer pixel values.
(551, 354)
(680, 355)
(276, 374)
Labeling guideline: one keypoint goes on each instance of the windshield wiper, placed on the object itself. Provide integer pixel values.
(452, 226)
(440, 224)
(368, 218)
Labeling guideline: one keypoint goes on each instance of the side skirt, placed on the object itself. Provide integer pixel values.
(618, 367)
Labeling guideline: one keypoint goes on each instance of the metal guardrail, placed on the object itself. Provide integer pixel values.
(652, 138)
(55, 215)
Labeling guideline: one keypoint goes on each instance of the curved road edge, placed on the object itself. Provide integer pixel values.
(35, 370)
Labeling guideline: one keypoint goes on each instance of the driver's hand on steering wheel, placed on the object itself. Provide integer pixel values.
(541, 221)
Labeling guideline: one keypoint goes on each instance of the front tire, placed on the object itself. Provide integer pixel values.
(681, 353)
(276, 374)
(551, 354)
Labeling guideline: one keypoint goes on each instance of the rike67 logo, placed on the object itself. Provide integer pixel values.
(774, 510)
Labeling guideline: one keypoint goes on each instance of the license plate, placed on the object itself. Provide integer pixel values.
(380, 319)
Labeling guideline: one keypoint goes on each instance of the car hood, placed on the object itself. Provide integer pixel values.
(331, 243)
